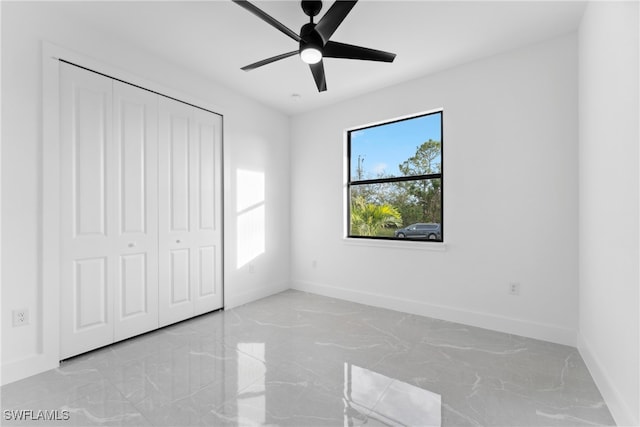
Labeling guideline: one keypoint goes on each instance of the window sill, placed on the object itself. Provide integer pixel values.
(399, 244)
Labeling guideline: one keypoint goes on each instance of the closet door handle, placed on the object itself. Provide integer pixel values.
(131, 244)
(178, 241)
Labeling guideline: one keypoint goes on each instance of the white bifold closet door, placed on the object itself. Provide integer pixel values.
(140, 182)
(190, 217)
(109, 253)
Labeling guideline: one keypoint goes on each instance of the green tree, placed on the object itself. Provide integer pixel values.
(425, 161)
(369, 219)
(420, 200)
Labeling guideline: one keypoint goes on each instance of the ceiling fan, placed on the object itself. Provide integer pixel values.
(314, 43)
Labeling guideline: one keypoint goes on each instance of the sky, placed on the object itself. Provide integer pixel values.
(382, 148)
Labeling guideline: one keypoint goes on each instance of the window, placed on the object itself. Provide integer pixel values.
(394, 186)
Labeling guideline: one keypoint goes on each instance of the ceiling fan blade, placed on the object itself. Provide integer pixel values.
(318, 75)
(267, 18)
(348, 51)
(333, 18)
(268, 61)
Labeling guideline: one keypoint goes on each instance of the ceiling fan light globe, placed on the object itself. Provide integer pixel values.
(311, 55)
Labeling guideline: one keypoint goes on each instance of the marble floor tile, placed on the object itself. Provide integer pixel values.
(298, 359)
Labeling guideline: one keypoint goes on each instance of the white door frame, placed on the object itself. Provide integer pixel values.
(48, 355)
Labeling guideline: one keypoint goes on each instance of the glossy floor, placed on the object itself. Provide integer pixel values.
(304, 360)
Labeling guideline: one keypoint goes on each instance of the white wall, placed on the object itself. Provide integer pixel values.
(510, 197)
(255, 138)
(609, 197)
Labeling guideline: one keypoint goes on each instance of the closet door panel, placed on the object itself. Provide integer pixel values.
(174, 194)
(207, 272)
(88, 216)
(134, 285)
(207, 176)
(88, 151)
(207, 239)
(178, 163)
(190, 211)
(134, 125)
(136, 146)
(180, 276)
(90, 290)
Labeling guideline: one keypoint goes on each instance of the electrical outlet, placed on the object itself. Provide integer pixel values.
(514, 288)
(252, 268)
(314, 263)
(21, 317)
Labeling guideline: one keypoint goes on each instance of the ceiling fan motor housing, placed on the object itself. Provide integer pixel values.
(309, 37)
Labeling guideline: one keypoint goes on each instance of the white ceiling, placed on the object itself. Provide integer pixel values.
(216, 38)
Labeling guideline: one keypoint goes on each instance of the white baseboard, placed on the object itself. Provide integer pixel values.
(235, 299)
(508, 325)
(622, 414)
(23, 368)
